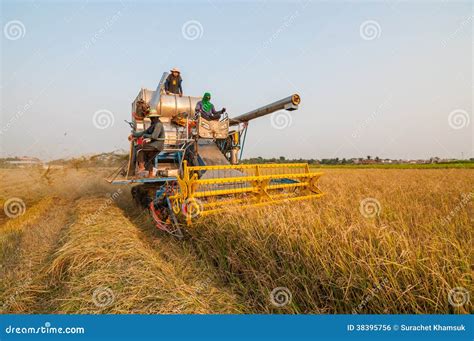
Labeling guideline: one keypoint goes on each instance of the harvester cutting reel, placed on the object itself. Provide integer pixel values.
(205, 190)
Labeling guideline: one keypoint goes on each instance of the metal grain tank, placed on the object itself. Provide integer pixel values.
(172, 105)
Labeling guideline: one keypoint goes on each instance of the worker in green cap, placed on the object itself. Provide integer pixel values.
(205, 109)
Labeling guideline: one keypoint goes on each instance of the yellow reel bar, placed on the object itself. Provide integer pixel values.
(218, 187)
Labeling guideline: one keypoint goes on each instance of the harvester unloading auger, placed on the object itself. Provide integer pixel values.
(198, 172)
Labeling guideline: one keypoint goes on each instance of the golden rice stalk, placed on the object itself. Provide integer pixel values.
(380, 241)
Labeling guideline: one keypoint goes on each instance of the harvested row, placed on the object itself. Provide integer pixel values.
(105, 266)
(26, 243)
(22, 217)
(380, 241)
(11, 231)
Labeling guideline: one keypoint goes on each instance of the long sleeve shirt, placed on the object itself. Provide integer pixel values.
(211, 115)
(156, 133)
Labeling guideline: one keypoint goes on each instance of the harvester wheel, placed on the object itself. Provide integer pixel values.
(141, 195)
(165, 221)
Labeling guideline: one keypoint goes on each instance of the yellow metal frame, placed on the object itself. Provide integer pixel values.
(258, 192)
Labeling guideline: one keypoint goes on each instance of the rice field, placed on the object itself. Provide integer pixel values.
(381, 241)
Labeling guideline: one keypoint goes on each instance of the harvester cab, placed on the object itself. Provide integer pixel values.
(198, 173)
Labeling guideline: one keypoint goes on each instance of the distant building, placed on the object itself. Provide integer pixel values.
(368, 162)
(23, 162)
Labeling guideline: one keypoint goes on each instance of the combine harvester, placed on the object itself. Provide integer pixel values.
(198, 172)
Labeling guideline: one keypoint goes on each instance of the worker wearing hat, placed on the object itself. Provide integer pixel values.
(173, 83)
(155, 137)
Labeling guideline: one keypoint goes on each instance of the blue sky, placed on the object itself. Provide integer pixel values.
(402, 88)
